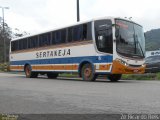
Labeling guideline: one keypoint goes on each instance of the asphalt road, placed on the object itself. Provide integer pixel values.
(40, 96)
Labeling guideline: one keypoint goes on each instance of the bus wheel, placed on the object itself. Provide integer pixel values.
(52, 75)
(87, 73)
(29, 73)
(114, 77)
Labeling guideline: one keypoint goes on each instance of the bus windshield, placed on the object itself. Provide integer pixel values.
(130, 39)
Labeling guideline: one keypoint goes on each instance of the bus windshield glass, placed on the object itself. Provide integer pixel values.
(130, 39)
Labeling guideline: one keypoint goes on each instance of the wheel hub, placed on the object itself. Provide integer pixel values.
(27, 71)
(87, 72)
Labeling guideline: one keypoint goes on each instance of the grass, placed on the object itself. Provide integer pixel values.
(158, 76)
(68, 75)
(4, 67)
(147, 76)
(8, 117)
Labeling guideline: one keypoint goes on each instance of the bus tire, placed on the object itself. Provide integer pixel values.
(29, 73)
(114, 77)
(52, 75)
(87, 72)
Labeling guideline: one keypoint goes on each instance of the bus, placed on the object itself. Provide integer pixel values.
(104, 46)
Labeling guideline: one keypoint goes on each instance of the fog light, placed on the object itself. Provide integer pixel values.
(144, 65)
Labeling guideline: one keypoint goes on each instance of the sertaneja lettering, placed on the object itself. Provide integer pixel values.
(55, 53)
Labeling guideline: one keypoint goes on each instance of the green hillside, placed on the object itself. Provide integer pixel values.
(153, 40)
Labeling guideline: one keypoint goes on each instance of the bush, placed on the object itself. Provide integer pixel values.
(4, 67)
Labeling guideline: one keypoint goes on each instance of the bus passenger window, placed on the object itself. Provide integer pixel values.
(89, 31)
(29, 43)
(33, 42)
(12, 46)
(44, 39)
(24, 44)
(84, 32)
(48, 38)
(63, 36)
(15, 45)
(53, 38)
(77, 33)
(70, 35)
(20, 44)
(57, 37)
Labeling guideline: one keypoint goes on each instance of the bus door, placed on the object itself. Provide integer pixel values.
(104, 37)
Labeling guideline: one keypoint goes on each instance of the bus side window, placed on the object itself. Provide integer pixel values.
(103, 34)
(44, 39)
(41, 41)
(84, 32)
(12, 46)
(70, 34)
(63, 36)
(77, 33)
(29, 43)
(53, 38)
(58, 37)
(48, 38)
(80, 32)
(89, 31)
(33, 42)
(15, 45)
(20, 45)
(24, 44)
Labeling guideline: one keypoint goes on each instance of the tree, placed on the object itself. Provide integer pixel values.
(18, 33)
(5, 36)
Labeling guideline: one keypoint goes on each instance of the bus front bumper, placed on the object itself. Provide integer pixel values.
(119, 68)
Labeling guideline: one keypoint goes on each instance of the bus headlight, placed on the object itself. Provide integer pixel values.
(144, 65)
(123, 62)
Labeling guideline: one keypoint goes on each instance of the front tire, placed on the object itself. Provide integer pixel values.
(52, 75)
(87, 73)
(29, 73)
(114, 77)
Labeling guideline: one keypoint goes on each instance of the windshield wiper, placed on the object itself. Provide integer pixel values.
(136, 40)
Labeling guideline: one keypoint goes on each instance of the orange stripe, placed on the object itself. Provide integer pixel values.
(59, 67)
(56, 67)
(105, 67)
(16, 68)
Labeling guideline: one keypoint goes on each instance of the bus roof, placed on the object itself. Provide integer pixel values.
(78, 23)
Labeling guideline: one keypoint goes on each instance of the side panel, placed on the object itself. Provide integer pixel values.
(62, 59)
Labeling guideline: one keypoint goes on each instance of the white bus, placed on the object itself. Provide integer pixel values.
(107, 46)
